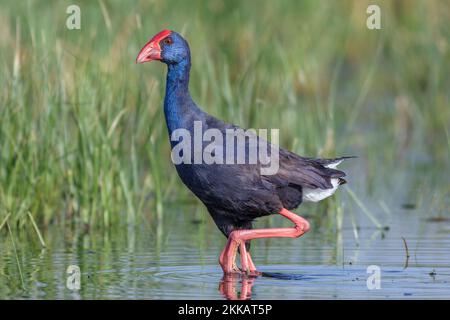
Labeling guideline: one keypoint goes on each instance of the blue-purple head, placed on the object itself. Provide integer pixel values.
(167, 46)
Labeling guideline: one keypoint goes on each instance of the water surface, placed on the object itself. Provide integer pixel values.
(178, 260)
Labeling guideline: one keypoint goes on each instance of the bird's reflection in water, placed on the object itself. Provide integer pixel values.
(231, 283)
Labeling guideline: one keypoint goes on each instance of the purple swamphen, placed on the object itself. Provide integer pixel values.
(236, 194)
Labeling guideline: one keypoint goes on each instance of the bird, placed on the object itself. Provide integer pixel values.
(238, 193)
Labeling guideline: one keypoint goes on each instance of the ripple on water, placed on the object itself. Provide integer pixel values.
(281, 282)
(185, 267)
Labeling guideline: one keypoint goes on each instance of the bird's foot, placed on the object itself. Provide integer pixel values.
(251, 273)
(234, 269)
(227, 258)
(251, 269)
(225, 264)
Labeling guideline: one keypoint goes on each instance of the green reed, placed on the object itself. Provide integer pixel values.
(82, 136)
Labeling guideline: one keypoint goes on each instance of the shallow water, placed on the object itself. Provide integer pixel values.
(179, 261)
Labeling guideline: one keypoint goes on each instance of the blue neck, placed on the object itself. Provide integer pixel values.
(178, 102)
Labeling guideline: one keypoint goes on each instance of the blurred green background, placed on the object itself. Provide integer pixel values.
(82, 136)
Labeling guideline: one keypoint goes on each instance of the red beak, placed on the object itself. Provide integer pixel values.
(152, 50)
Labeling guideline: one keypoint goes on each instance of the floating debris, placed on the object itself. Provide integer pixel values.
(438, 219)
(433, 274)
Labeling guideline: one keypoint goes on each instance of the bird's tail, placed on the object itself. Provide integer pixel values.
(333, 163)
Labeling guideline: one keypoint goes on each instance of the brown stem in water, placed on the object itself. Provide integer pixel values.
(407, 253)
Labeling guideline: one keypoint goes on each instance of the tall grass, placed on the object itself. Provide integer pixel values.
(82, 136)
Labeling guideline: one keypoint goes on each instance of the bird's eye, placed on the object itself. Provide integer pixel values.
(168, 41)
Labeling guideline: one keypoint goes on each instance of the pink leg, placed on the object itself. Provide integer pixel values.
(251, 265)
(223, 259)
(237, 238)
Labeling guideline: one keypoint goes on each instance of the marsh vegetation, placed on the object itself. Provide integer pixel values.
(85, 168)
